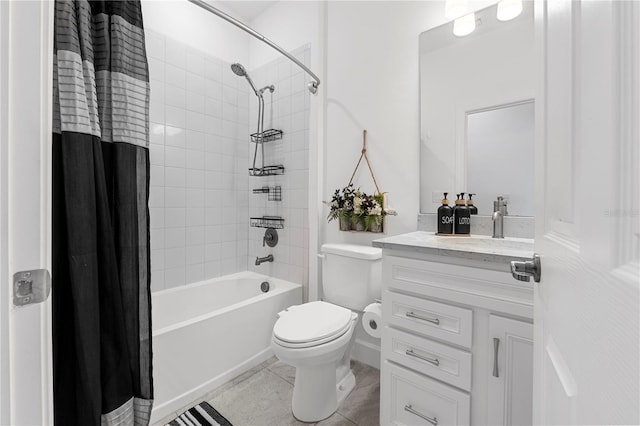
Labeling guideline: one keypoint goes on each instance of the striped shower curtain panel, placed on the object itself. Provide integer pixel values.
(102, 368)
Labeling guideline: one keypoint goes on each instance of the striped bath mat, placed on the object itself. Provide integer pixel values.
(202, 414)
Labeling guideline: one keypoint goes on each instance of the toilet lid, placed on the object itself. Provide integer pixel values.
(311, 322)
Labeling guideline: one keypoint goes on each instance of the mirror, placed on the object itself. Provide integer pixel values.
(500, 157)
(477, 113)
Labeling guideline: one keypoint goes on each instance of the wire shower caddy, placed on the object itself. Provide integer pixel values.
(275, 222)
(274, 193)
(260, 137)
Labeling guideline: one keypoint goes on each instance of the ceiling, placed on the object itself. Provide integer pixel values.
(246, 10)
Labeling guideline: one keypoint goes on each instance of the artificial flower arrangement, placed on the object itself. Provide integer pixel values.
(358, 211)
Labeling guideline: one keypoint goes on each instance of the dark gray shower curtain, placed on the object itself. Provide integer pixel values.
(102, 368)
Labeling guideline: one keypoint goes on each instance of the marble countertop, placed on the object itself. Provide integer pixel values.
(476, 247)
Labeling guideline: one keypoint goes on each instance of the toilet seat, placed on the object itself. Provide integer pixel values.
(311, 324)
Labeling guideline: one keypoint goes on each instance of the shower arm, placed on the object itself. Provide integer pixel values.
(313, 85)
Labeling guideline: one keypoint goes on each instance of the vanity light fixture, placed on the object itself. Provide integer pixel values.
(454, 9)
(464, 25)
(509, 9)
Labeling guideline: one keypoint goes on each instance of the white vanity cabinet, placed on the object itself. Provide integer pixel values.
(457, 339)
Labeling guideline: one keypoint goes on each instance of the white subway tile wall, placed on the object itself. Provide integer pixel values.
(287, 109)
(198, 199)
(201, 196)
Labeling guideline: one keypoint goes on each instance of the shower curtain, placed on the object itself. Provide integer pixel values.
(102, 373)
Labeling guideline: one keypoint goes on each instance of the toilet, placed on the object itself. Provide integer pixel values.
(317, 337)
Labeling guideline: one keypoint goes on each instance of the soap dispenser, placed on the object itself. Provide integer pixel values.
(472, 209)
(445, 217)
(462, 218)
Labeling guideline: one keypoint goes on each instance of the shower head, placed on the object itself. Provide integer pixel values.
(240, 71)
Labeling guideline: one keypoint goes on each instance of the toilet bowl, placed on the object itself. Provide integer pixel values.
(316, 338)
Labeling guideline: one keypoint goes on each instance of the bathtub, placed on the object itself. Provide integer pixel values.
(207, 333)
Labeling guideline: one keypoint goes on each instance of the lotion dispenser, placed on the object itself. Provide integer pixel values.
(462, 217)
(445, 217)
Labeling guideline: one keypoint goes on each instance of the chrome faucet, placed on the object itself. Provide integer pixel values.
(499, 212)
(260, 260)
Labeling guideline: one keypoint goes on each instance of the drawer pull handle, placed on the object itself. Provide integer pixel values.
(433, 361)
(496, 344)
(433, 421)
(435, 321)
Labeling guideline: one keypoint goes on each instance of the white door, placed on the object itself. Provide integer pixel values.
(586, 325)
(26, 40)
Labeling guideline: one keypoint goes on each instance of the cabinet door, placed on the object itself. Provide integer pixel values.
(510, 389)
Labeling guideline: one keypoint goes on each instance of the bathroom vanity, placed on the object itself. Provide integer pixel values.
(457, 339)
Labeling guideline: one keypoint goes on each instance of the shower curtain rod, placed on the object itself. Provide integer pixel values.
(313, 85)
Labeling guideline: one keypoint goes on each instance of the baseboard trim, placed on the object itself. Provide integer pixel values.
(367, 353)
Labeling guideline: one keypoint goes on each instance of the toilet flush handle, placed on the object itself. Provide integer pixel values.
(321, 256)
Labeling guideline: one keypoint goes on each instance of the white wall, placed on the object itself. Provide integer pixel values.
(289, 24)
(199, 132)
(187, 23)
(199, 113)
(372, 83)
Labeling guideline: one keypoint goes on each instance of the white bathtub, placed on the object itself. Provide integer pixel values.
(205, 334)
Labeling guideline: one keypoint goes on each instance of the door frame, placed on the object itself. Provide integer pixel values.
(26, 75)
(5, 296)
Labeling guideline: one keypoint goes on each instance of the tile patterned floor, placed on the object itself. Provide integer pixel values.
(262, 397)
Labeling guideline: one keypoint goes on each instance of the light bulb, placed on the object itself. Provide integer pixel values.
(455, 8)
(509, 9)
(464, 25)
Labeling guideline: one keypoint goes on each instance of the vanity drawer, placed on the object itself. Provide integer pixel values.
(440, 361)
(412, 399)
(439, 320)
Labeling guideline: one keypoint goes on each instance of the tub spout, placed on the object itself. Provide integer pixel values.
(260, 260)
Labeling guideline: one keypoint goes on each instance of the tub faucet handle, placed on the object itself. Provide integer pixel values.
(270, 237)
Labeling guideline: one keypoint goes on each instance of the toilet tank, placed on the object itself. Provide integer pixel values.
(351, 275)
